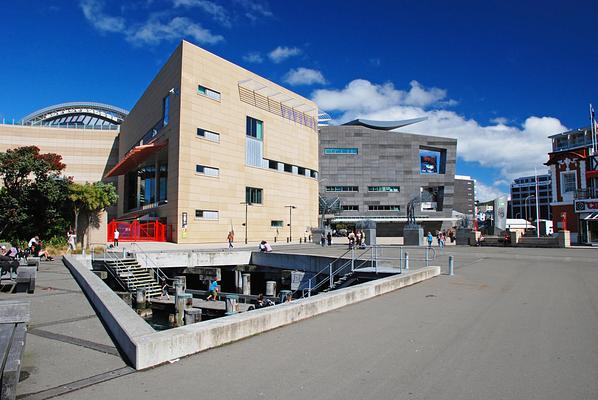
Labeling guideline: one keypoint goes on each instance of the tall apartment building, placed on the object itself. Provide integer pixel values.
(375, 172)
(211, 147)
(523, 197)
(464, 200)
(574, 168)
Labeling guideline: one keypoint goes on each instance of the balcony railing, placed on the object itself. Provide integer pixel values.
(582, 194)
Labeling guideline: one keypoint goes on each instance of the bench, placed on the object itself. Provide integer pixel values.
(14, 316)
(24, 282)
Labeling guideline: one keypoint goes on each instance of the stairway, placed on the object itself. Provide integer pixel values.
(133, 276)
(341, 282)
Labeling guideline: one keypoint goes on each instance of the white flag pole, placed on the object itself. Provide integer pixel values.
(537, 206)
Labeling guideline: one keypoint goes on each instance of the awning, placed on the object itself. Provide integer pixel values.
(134, 157)
(592, 216)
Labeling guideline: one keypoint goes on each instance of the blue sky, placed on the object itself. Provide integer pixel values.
(499, 76)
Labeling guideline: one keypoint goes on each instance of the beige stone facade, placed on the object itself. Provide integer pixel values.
(285, 141)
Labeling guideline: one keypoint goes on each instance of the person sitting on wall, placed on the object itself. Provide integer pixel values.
(351, 238)
(507, 238)
(265, 247)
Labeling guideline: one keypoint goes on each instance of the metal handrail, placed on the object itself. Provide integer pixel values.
(161, 275)
(114, 274)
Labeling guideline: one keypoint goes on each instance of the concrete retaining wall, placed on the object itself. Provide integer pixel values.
(145, 348)
(124, 323)
(192, 258)
(167, 345)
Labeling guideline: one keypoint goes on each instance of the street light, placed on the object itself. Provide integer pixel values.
(525, 203)
(247, 204)
(291, 207)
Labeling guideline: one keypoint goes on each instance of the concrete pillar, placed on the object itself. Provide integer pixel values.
(271, 288)
(246, 284)
(140, 298)
(181, 303)
(238, 282)
(182, 279)
(179, 286)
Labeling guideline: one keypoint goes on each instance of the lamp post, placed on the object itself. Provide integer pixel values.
(291, 207)
(247, 204)
(525, 203)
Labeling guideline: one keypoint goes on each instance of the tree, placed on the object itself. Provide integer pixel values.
(91, 198)
(33, 195)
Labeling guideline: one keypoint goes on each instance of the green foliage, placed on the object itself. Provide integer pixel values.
(33, 198)
(57, 241)
(91, 198)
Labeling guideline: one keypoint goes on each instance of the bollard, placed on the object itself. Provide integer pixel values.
(271, 288)
(247, 284)
(300, 240)
(451, 266)
(275, 239)
(140, 298)
(406, 261)
(427, 257)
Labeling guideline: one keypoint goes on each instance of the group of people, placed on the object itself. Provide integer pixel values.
(356, 239)
(9, 257)
(440, 238)
(324, 239)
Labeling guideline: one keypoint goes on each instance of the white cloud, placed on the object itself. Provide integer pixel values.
(281, 53)
(499, 121)
(253, 57)
(151, 32)
(154, 31)
(93, 10)
(304, 76)
(255, 9)
(216, 11)
(513, 150)
(485, 192)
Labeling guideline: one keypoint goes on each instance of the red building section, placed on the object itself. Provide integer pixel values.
(152, 231)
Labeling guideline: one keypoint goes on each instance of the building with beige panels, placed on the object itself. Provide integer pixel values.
(85, 135)
(211, 146)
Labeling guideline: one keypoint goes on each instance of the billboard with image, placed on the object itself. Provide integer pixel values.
(429, 161)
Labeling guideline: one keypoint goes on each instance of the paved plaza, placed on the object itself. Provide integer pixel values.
(511, 324)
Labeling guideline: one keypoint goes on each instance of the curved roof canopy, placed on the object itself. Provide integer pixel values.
(384, 125)
(78, 115)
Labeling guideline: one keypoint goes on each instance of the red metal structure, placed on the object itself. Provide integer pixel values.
(136, 231)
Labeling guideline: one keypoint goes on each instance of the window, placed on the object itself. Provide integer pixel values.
(350, 208)
(432, 161)
(568, 182)
(340, 150)
(342, 189)
(313, 174)
(383, 189)
(253, 195)
(288, 168)
(273, 164)
(212, 94)
(384, 208)
(165, 110)
(301, 170)
(276, 224)
(214, 137)
(206, 214)
(207, 171)
(254, 128)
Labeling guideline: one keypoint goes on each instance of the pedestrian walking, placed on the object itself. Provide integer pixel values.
(72, 241)
(430, 238)
(329, 239)
(116, 236)
(231, 238)
(323, 239)
(441, 239)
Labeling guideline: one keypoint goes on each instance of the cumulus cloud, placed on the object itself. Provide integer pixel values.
(158, 28)
(93, 10)
(155, 31)
(486, 192)
(253, 57)
(513, 150)
(304, 76)
(216, 11)
(282, 53)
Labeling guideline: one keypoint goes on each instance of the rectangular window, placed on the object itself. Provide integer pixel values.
(313, 174)
(165, 110)
(350, 208)
(206, 214)
(340, 150)
(212, 94)
(273, 164)
(207, 171)
(568, 182)
(211, 136)
(383, 189)
(288, 168)
(254, 128)
(301, 170)
(384, 208)
(253, 195)
(342, 189)
(276, 224)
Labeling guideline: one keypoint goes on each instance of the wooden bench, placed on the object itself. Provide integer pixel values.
(14, 316)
